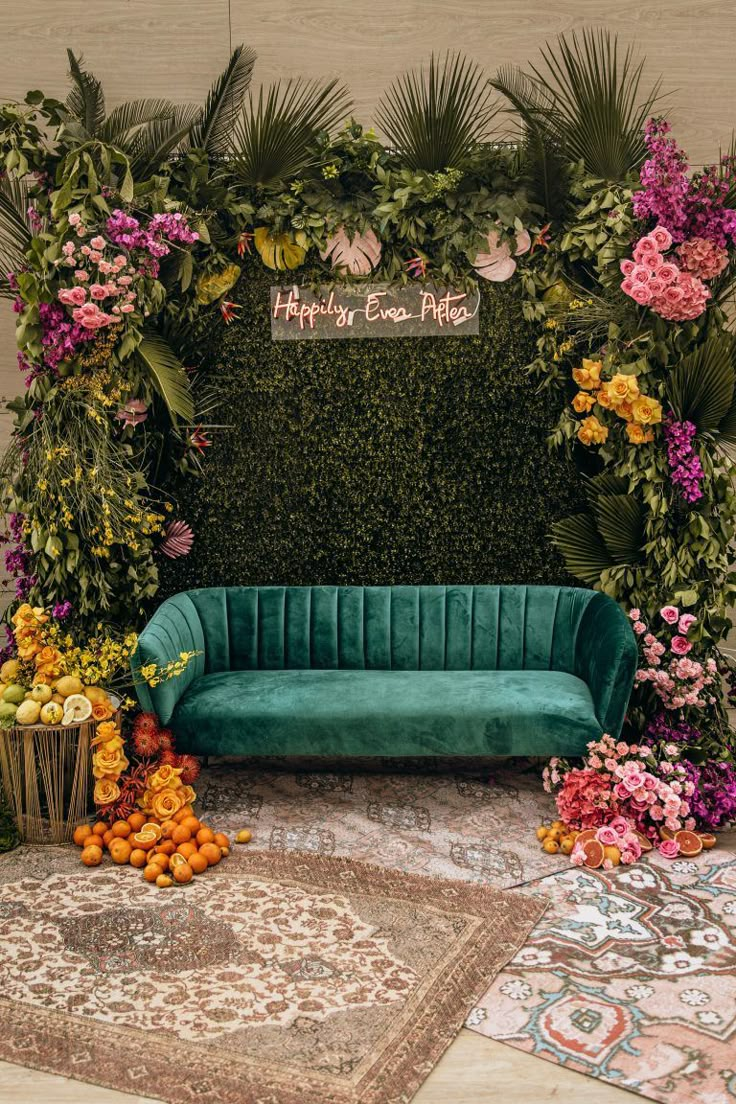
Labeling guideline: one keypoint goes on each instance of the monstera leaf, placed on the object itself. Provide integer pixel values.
(280, 251)
(612, 533)
(211, 285)
(358, 256)
(702, 388)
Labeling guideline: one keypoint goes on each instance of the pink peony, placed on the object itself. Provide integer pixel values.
(670, 614)
(670, 848)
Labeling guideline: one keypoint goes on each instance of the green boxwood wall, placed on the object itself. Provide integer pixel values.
(375, 461)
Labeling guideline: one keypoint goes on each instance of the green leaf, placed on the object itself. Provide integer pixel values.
(620, 521)
(213, 128)
(15, 234)
(585, 555)
(86, 101)
(701, 386)
(167, 375)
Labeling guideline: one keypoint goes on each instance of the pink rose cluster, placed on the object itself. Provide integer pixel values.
(617, 833)
(677, 680)
(99, 276)
(647, 800)
(652, 281)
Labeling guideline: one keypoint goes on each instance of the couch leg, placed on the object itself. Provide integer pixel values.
(205, 760)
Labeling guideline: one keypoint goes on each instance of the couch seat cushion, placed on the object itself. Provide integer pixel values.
(388, 713)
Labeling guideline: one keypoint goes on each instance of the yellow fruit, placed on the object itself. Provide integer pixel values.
(566, 845)
(559, 824)
(163, 881)
(57, 698)
(41, 693)
(95, 694)
(28, 713)
(9, 670)
(224, 851)
(542, 832)
(612, 853)
(244, 836)
(551, 846)
(51, 713)
(554, 834)
(77, 708)
(68, 685)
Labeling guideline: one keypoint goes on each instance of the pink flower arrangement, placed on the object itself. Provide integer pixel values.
(584, 798)
(616, 834)
(652, 281)
(702, 258)
(678, 681)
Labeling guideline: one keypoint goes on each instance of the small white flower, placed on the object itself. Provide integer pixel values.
(694, 997)
(475, 1017)
(682, 866)
(639, 992)
(516, 989)
(712, 938)
(729, 908)
(638, 877)
(709, 1018)
(680, 962)
(532, 956)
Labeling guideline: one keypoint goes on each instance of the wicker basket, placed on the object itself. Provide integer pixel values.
(46, 773)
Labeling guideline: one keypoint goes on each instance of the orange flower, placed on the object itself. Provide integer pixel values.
(589, 375)
(188, 794)
(109, 762)
(101, 711)
(48, 664)
(591, 432)
(637, 436)
(106, 731)
(583, 402)
(106, 792)
(165, 776)
(166, 803)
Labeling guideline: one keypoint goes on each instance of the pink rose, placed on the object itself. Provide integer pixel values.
(127, 308)
(627, 285)
(668, 272)
(620, 825)
(639, 627)
(670, 614)
(639, 274)
(607, 836)
(98, 291)
(642, 295)
(685, 623)
(627, 267)
(680, 645)
(661, 237)
(670, 848)
(72, 297)
(81, 275)
(635, 614)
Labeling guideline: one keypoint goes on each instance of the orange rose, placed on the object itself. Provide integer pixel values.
(48, 664)
(109, 763)
(165, 776)
(187, 792)
(106, 792)
(106, 731)
(102, 711)
(583, 402)
(166, 803)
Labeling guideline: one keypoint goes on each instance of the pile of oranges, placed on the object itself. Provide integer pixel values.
(168, 852)
(557, 838)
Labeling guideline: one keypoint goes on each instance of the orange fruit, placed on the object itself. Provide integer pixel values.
(221, 839)
(93, 840)
(81, 833)
(151, 872)
(594, 853)
(120, 852)
(690, 843)
(161, 861)
(551, 846)
(163, 881)
(121, 828)
(211, 852)
(107, 837)
(205, 835)
(559, 824)
(138, 858)
(176, 860)
(144, 840)
(542, 832)
(612, 853)
(646, 843)
(666, 833)
(184, 812)
(100, 828)
(136, 821)
(152, 826)
(167, 828)
(181, 834)
(192, 823)
(187, 849)
(92, 855)
(708, 840)
(166, 847)
(183, 873)
(198, 862)
(585, 835)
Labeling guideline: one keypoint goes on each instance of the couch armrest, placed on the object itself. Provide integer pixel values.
(174, 628)
(606, 658)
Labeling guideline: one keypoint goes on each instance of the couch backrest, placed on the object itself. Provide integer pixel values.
(401, 627)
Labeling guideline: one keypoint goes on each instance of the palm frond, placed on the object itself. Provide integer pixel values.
(275, 135)
(86, 100)
(158, 140)
(15, 234)
(213, 129)
(544, 163)
(128, 118)
(701, 386)
(167, 375)
(578, 540)
(438, 117)
(620, 522)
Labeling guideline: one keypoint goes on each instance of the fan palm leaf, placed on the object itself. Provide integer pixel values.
(620, 522)
(590, 102)
(213, 129)
(86, 100)
(701, 386)
(578, 540)
(437, 117)
(274, 138)
(15, 235)
(167, 375)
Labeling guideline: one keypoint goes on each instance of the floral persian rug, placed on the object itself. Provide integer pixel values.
(630, 977)
(277, 977)
(466, 819)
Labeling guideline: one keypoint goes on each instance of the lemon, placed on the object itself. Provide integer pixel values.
(14, 693)
(9, 670)
(68, 685)
(51, 713)
(41, 693)
(77, 708)
(28, 713)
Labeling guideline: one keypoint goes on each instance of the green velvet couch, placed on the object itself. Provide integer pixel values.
(390, 671)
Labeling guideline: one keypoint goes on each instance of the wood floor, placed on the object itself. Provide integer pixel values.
(473, 1071)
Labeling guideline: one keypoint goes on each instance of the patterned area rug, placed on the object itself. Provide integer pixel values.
(452, 819)
(279, 978)
(630, 977)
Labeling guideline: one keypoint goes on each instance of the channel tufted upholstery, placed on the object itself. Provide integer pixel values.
(404, 670)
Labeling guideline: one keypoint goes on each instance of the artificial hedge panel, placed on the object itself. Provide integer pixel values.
(375, 461)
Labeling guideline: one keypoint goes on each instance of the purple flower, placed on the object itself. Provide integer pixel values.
(686, 470)
(61, 610)
(713, 801)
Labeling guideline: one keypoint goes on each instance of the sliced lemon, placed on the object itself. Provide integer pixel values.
(77, 708)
